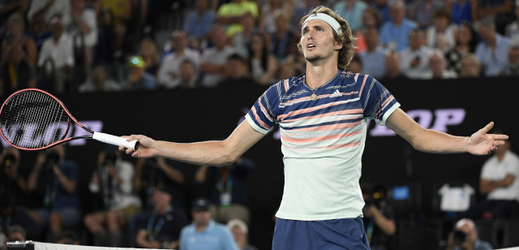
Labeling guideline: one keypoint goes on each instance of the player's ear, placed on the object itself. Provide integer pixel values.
(338, 45)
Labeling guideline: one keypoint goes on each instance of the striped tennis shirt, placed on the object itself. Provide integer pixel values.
(322, 141)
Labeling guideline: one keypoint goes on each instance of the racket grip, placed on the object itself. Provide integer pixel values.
(115, 140)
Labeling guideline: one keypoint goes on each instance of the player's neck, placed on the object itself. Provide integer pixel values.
(317, 75)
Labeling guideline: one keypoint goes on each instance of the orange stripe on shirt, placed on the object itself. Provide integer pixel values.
(319, 138)
(342, 112)
(390, 98)
(347, 145)
(363, 84)
(302, 111)
(258, 120)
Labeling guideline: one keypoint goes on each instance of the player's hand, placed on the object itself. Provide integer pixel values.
(482, 143)
(146, 147)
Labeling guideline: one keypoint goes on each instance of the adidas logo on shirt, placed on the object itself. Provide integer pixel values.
(336, 94)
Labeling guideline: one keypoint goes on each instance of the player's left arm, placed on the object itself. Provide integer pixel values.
(432, 141)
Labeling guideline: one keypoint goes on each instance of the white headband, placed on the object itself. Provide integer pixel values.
(327, 19)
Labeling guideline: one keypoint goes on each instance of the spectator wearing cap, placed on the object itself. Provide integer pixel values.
(160, 228)
(512, 67)
(240, 231)
(138, 78)
(204, 233)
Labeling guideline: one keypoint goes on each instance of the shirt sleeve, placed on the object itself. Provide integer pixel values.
(262, 114)
(377, 102)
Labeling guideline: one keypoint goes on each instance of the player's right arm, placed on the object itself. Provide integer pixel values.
(220, 152)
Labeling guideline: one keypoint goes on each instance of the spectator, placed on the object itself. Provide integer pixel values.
(501, 12)
(500, 183)
(469, 66)
(113, 180)
(415, 59)
(168, 75)
(237, 74)
(58, 179)
(9, 7)
(138, 78)
(40, 31)
(512, 67)
(241, 40)
(16, 72)
(11, 179)
(107, 38)
(423, 11)
(382, 8)
(261, 63)
(84, 24)
(204, 233)
(378, 217)
(11, 215)
(97, 82)
(240, 232)
(267, 19)
(438, 66)
(231, 12)
(59, 50)
(148, 52)
(160, 227)
(512, 29)
(373, 55)
(120, 11)
(492, 51)
(48, 9)
(465, 236)
(441, 34)
(370, 20)
(226, 186)
(283, 39)
(395, 33)
(188, 75)
(465, 45)
(392, 63)
(198, 22)
(351, 11)
(17, 36)
(463, 11)
(214, 59)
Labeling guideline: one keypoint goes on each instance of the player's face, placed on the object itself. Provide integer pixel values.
(317, 41)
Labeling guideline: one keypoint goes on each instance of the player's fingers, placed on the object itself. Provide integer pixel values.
(500, 137)
(488, 127)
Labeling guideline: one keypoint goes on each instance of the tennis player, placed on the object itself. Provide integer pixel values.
(322, 116)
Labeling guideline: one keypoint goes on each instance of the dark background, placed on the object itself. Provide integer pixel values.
(207, 114)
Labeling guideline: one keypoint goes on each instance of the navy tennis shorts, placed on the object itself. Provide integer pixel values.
(337, 234)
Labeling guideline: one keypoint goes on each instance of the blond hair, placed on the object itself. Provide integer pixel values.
(346, 38)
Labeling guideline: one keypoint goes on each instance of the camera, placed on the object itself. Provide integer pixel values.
(52, 159)
(459, 237)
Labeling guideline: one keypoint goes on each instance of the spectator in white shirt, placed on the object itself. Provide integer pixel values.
(50, 8)
(438, 67)
(214, 59)
(84, 22)
(414, 60)
(57, 48)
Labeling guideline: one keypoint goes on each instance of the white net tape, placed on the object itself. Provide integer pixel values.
(29, 245)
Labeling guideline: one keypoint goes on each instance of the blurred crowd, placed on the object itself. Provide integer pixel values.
(65, 46)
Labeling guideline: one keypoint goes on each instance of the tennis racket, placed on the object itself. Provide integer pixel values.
(32, 119)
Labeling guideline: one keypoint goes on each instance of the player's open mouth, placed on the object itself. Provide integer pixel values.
(310, 46)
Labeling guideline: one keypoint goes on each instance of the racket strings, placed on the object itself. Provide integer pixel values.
(33, 119)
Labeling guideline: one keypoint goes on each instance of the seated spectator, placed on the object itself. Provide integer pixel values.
(120, 11)
(437, 67)
(198, 22)
(512, 67)
(168, 74)
(237, 74)
(204, 233)
(11, 215)
(16, 72)
(415, 58)
(188, 75)
(240, 232)
(392, 63)
(373, 55)
(241, 39)
(48, 9)
(59, 50)
(470, 66)
(214, 59)
(512, 29)
(160, 227)
(370, 20)
(230, 13)
(16, 36)
(226, 186)
(355, 65)
(138, 78)
(351, 11)
(148, 52)
(423, 11)
(492, 51)
(58, 179)
(394, 34)
(465, 236)
(40, 31)
(500, 183)
(262, 64)
(440, 35)
(283, 39)
(463, 11)
(465, 44)
(97, 82)
(112, 179)
(83, 24)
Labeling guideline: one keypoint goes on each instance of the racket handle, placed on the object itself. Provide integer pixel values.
(115, 140)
